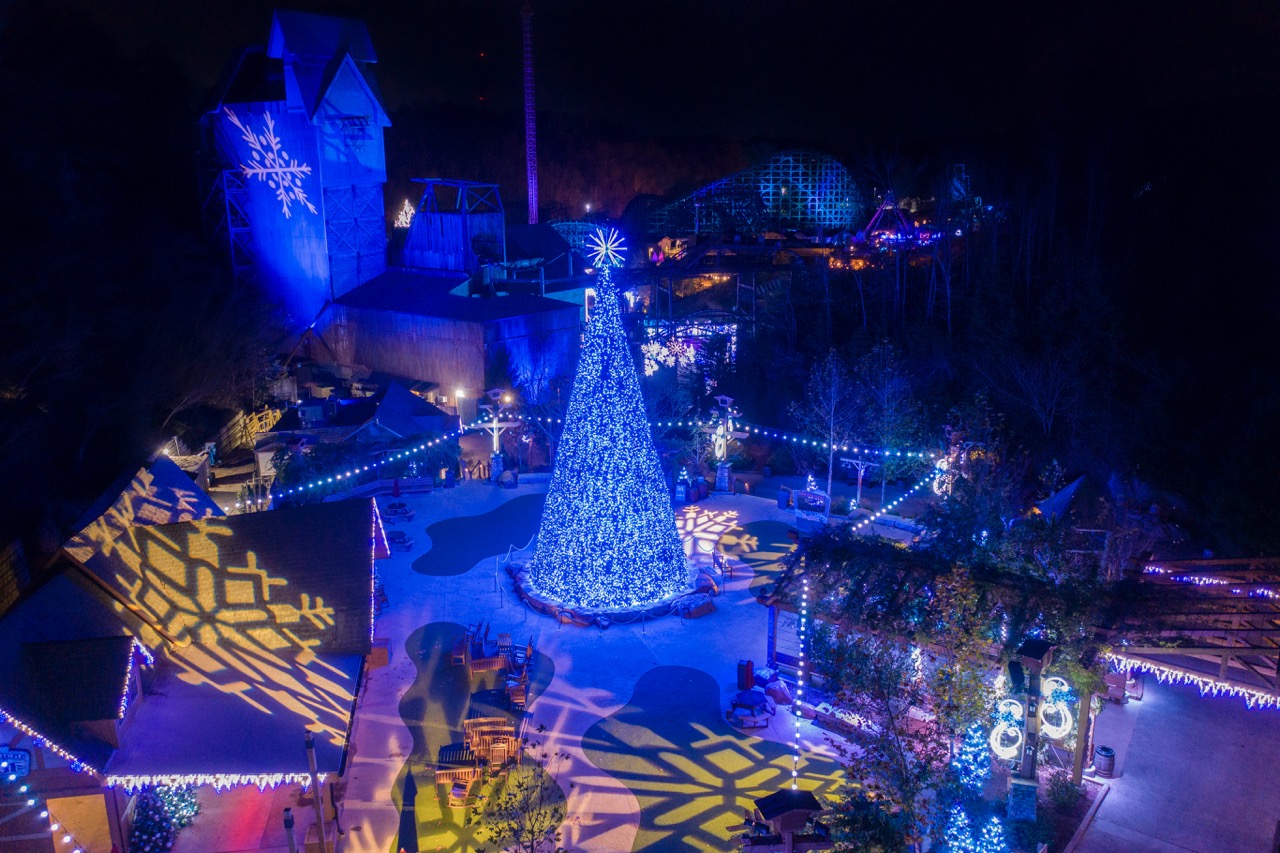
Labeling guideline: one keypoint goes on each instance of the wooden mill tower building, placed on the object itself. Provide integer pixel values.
(294, 140)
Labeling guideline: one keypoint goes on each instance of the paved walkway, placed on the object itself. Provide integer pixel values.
(1193, 773)
(598, 675)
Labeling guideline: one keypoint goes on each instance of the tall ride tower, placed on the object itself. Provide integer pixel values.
(530, 118)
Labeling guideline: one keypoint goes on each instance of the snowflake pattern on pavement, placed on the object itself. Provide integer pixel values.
(272, 164)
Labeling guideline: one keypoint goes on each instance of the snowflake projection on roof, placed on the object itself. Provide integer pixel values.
(271, 163)
(606, 248)
(226, 622)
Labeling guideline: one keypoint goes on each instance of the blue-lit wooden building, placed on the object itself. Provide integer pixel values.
(295, 149)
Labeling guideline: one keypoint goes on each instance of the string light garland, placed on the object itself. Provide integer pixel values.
(404, 454)
(219, 781)
(135, 651)
(608, 536)
(925, 481)
(796, 438)
(32, 801)
(802, 630)
(1207, 685)
(959, 832)
(379, 535)
(44, 743)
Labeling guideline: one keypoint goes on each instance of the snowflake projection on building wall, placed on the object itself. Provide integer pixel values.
(271, 163)
(606, 248)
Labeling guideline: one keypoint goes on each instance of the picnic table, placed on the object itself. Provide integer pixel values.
(398, 509)
(753, 701)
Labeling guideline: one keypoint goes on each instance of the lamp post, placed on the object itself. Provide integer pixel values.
(721, 434)
(288, 831)
(500, 419)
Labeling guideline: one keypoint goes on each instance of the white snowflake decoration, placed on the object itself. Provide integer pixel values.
(272, 164)
(606, 248)
(657, 355)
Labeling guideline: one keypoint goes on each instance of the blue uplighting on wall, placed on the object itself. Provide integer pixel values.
(608, 538)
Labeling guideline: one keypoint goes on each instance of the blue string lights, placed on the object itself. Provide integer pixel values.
(802, 629)
(66, 842)
(340, 476)
(608, 538)
(796, 438)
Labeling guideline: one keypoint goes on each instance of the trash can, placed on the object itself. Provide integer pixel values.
(784, 497)
(1104, 761)
(450, 479)
(704, 489)
(746, 675)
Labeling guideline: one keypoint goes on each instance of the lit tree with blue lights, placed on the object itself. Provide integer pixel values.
(992, 839)
(959, 832)
(608, 538)
(973, 763)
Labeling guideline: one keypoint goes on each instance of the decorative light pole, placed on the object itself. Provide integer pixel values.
(499, 420)
(721, 433)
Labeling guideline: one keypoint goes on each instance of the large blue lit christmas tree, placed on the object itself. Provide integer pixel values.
(608, 539)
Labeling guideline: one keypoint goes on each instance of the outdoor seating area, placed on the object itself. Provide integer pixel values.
(397, 511)
(399, 540)
(479, 654)
(491, 742)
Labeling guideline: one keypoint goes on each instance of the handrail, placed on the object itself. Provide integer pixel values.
(510, 548)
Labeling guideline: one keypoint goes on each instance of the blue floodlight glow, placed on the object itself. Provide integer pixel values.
(608, 538)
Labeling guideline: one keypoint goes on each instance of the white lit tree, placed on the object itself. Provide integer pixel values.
(608, 538)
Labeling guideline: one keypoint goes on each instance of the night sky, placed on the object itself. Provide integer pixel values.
(1155, 120)
(830, 73)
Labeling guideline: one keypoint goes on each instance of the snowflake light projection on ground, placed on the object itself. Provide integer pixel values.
(270, 162)
(608, 537)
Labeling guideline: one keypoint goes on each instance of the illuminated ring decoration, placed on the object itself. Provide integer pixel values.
(942, 479)
(1050, 711)
(1006, 737)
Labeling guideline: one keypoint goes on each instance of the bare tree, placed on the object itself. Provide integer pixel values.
(828, 408)
(889, 414)
(524, 810)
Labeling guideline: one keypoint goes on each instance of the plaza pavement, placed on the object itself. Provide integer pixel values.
(596, 675)
(1192, 773)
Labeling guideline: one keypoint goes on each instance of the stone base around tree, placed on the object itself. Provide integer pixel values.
(690, 604)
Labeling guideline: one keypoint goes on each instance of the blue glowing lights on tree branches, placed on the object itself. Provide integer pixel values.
(958, 837)
(608, 538)
(972, 764)
(992, 838)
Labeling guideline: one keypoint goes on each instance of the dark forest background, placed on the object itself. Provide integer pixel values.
(1131, 155)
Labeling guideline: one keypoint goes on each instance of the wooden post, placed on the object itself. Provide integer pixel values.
(316, 792)
(1084, 732)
